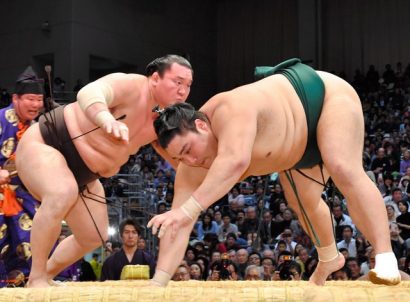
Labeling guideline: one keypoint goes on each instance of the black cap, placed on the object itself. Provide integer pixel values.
(28, 82)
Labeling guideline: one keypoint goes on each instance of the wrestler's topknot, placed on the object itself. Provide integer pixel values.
(174, 120)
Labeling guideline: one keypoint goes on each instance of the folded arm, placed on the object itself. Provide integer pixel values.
(96, 99)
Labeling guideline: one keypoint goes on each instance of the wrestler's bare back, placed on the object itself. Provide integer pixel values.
(282, 128)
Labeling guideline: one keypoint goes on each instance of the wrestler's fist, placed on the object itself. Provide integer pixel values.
(116, 129)
(170, 221)
(4, 177)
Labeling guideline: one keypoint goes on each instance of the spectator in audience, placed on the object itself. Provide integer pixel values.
(398, 245)
(86, 271)
(393, 200)
(391, 214)
(215, 256)
(348, 241)
(380, 164)
(232, 255)
(295, 271)
(142, 244)
(108, 249)
(340, 275)
(279, 248)
(96, 265)
(206, 225)
(276, 196)
(405, 162)
(231, 243)
(287, 237)
(246, 189)
(353, 265)
(218, 217)
(226, 227)
(345, 252)
(182, 274)
(203, 262)
(236, 200)
(161, 208)
(240, 223)
(269, 267)
(403, 221)
(283, 205)
(190, 254)
(301, 258)
(310, 266)
(340, 220)
(253, 273)
(223, 269)
(251, 221)
(195, 271)
(254, 259)
(242, 261)
(267, 229)
(129, 254)
(268, 253)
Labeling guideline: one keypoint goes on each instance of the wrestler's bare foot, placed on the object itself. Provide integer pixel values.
(38, 283)
(155, 284)
(324, 269)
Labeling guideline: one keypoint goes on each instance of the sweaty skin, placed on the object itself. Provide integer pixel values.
(261, 128)
(45, 173)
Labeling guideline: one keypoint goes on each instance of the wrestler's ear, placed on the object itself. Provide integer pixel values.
(201, 125)
(155, 77)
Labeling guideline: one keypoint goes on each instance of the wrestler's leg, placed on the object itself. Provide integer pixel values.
(48, 178)
(85, 237)
(340, 138)
(318, 214)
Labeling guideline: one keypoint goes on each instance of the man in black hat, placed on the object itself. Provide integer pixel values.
(17, 206)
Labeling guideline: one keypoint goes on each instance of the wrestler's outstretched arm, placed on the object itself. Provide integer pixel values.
(235, 137)
(172, 247)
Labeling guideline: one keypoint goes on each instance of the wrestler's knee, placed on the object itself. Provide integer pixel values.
(59, 201)
(344, 173)
(94, 240)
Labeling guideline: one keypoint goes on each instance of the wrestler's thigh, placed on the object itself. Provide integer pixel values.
(45, 173)
(309, 191)
(79, 219)
(340, 133)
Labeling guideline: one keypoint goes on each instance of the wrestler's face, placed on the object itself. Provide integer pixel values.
(197, 149)
(27, 106)
(173, 87)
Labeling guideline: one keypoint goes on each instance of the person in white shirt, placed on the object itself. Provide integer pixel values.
(348, 241)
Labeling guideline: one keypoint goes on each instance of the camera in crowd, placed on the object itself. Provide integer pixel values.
(284, 272)
(222, 266)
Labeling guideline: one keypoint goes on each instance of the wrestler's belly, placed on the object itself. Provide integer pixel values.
(102, 153)
(274, 162)
(282, 133)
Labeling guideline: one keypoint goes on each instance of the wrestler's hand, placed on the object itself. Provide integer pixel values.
(170, 221)
(4, 177)
(116, 129)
